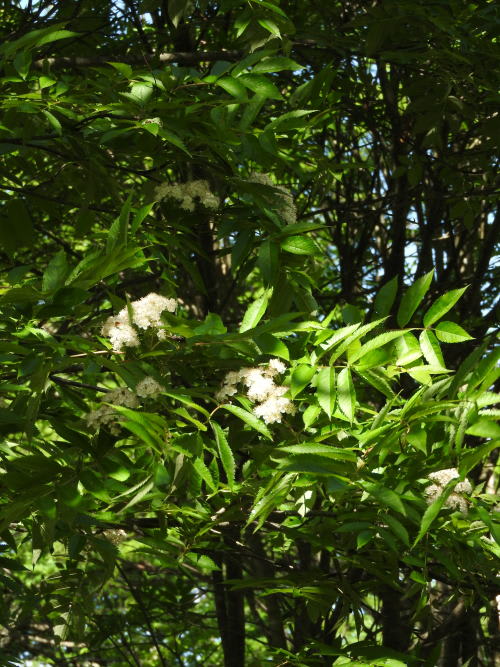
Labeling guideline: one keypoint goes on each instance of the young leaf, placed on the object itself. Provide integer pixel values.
(225, 453)
(413, 297)
(442, 305)
(346, 394)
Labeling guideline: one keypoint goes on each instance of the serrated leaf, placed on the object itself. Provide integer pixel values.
(301, 376)
(269, 344)
(385, 298)
(449, 332)
(261, 85)
(407, 349)
(233, 87)
(299, 245)
(413, 297)
(268, 260)
(204, 473)
(255, 311)
(118, 231)
(276, 64)
(385, 496)
(346, 394)
(431, 350)
(429, 515)
(325, 390)
(270, 26)
(374, 343)
(225, 453)
(314, 448)
(442, 305)
(249, 418)
(56, 272)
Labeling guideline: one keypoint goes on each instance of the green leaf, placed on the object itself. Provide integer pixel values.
(442, 305)
(484, 428)
(385, 496)
(374, 343)
(270, 26)
(326, 390)
(255, 311)
(56, 273)
(144, 489)
(260, 85)
(299, 245)
(269, 344)
(413, 297)
(314, 448)
(249, 418)
(310, 414)
(56, 125)
(276, 64)
(290, 120)
(225, 453)
(473, 457)
(430, 349)
(407, 349)
(301, 376)
(346, 394)
(385, 298)
(449, 332)
(204, 473)
(429, 515)
(234, 87)
(268, 261)
(139, 216)
(118, 231)
(55, 36)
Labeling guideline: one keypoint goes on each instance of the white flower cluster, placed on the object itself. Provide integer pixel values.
(149, 121)
(188, 194)
(115, 535)
(260, 388)
(286, 210)
(145, 312)
(105, 415)
(456, 499)
(148, 387)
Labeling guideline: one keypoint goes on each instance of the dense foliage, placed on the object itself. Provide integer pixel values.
(248, 333)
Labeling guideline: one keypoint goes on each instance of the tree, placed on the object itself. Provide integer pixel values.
(248, 332)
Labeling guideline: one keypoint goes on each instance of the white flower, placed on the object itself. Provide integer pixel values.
(105, 415)
(120, 333)
(441, 478)
(148, 387)
(286, 209)
(145, 312)
(115, 535)
(187, 193)
(275, 367)
(273, 408)
(259, 386)
(261, 389)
